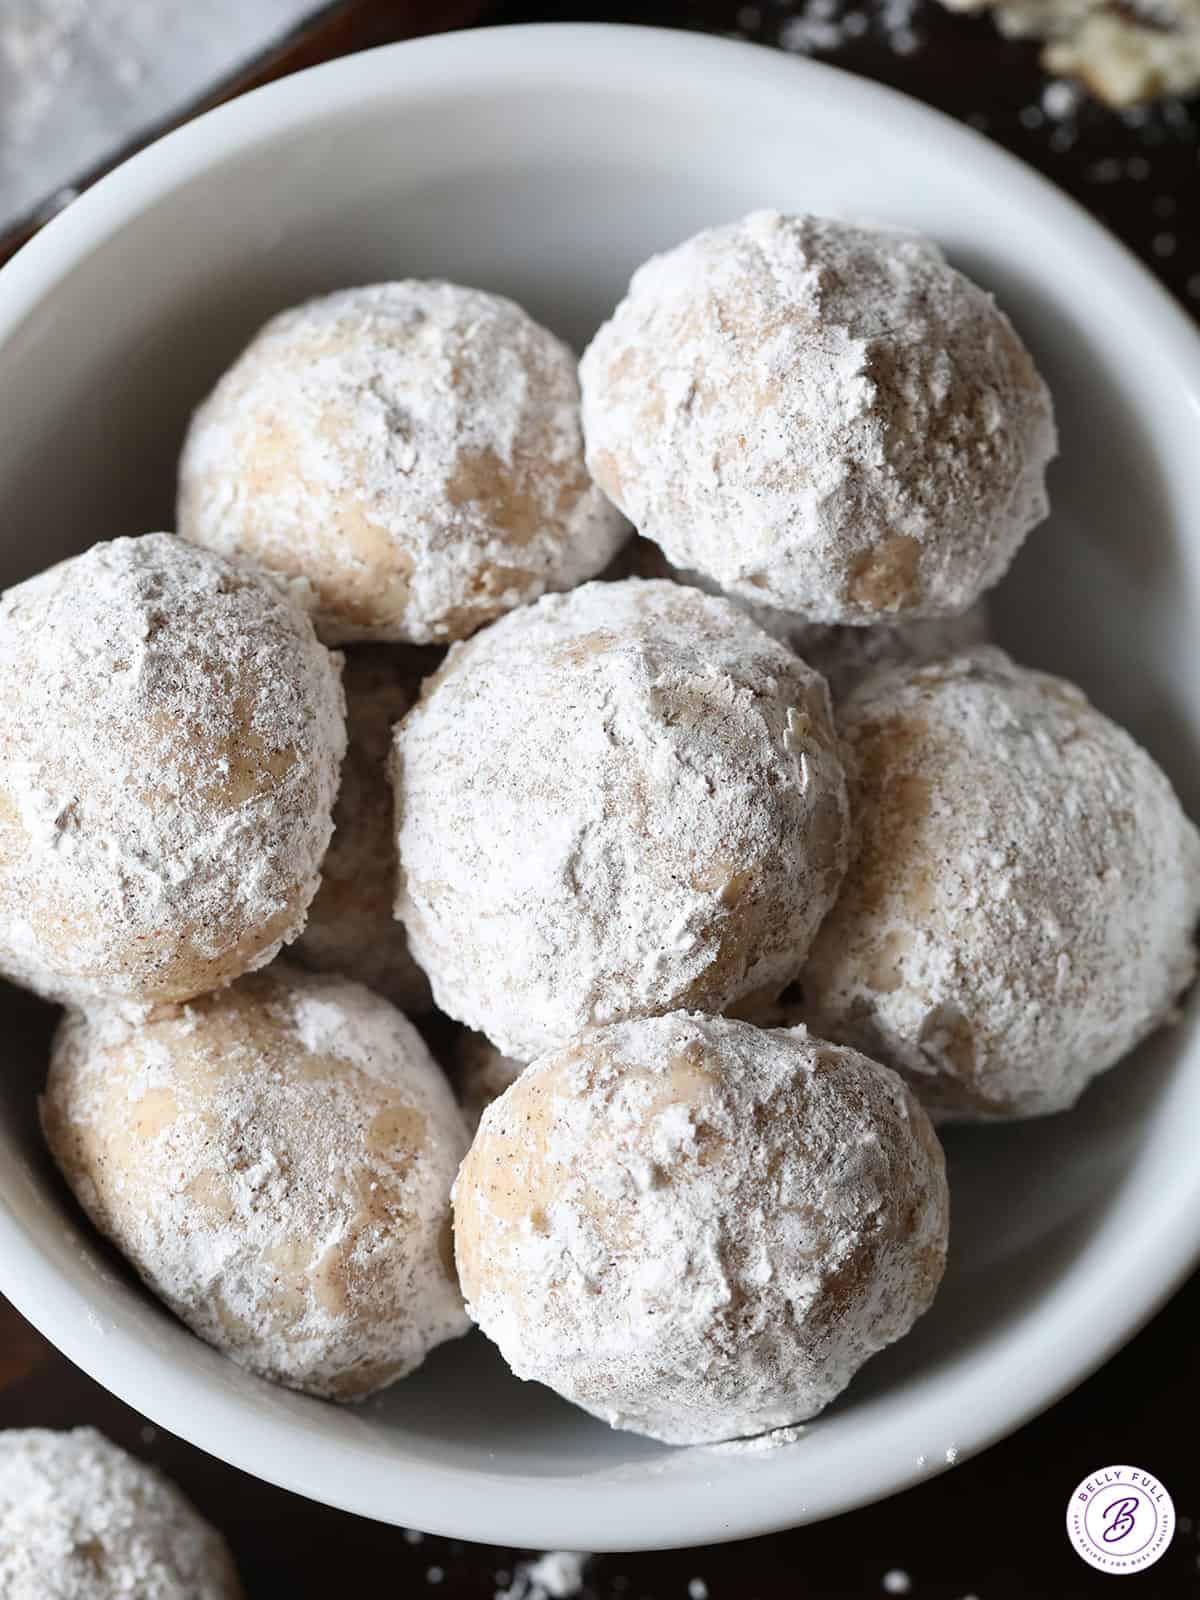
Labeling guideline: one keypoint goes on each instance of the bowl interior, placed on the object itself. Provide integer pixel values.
(546, 164)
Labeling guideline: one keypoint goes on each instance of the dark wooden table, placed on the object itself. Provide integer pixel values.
(992, 1528)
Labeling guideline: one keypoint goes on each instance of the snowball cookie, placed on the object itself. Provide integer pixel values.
(481, 1075)
(276, 1161)
(1020, 911)
(618, 802)
(412, 449)
(81, 1520)
(170, 734)
(350, 927)
(820, 416)
(699, 1229)
(843, 656)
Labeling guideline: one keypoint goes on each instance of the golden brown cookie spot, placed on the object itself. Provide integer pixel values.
(906, 799)
(500, 491)
(513, 1169)
(623, 366)
(397, 1132)
(722, 879)
(254, 769)
(607, 474)
(958, 1045)
(886, 973)
(884, 745)
(329, 1282)
(374, 1203)
(268, 455)
(289, 1260)
(922, 893)
(690, 1081)
(155, 1111)
(884, 578)
(378, 586)
(583, 649)
(210, 1193)
(236, 1328)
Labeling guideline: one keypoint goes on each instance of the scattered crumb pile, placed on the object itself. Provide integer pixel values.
(1125, 51)
(557, 1575)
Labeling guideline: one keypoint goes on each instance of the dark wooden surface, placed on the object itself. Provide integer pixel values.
(992, 1527)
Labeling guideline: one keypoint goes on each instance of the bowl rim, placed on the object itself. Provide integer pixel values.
(585, 1513)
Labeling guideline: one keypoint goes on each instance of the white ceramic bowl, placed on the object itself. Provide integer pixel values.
(547, 163)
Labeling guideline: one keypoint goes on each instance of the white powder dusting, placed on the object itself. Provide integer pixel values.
(821, 417)
(898, 17)
(843, 656)
(699, 1229)
(1060, 100)
(412, 448)
(615, 802)
(827, 26)
(171, 733)
(809, 30)
(276, 1162)
(1021, 909)
(896, 1581)
(697, 1589)
(80, 1518)
(325, 1027)
(556, 1575)
(1124, 53)
(760, 1443)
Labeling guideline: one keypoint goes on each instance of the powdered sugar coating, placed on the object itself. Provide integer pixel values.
(1021, 907)
(350, 927)
(615, 803)
(170, 734)
(81, 1520)
(413, 449)
(843, 656)
(276, 1162)
(698, 1229)
(821, 417)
